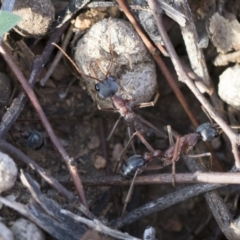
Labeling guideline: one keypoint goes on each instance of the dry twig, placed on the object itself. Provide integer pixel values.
(97, 225)
(72, 169)
(235, 140)
(216, 204)
(153, 179)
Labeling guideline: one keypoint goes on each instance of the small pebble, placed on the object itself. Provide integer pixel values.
(94, 142)
(229, 86)
(37, 17)
(100, 162)
(82, 24)
(8, 172)
(23, 229)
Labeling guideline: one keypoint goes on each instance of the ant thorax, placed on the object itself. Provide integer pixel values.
(189, 141)
(122, 107)
(113, 48)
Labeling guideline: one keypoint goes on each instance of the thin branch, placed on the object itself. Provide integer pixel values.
(16, 154)
(190, 37)
(164, 202)
(19, 155)
(18, 104)
(216, 204)
(98, 226)
(72, 169)
(58, 56)
(153, 179)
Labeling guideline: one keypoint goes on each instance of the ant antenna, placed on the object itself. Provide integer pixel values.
(110, 46)
(207, 114)
(73, 63)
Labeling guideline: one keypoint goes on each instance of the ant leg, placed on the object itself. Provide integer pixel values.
(129, 129)
(207, 114)
(123, 153)
(110, 47)
(91, 68)
(129, 192)
(125, 91)
(208, 154)
(148, 104)
(73, 63)
(144, 141)
(113, 109)
(105, 109)
(152, 168)
(175, 157)
(114, 128)
(148, 124)
(170, 135)
(102, 108)
(101, 67)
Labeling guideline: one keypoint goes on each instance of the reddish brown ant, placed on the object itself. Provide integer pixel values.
(108, 88)
(184, 145)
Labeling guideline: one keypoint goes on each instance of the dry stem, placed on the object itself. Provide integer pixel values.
(185, 78)
(28, 89)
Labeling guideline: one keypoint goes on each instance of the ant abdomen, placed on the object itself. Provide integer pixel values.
(130, 167)
(207, 131)
(33, 139)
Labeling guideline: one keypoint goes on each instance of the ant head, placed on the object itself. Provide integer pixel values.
(107, 87)
(207, 131)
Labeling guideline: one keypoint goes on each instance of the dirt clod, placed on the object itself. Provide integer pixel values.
(100, 162)
(94, 142)
(37, 16)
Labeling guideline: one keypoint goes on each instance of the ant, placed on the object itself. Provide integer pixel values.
(205, 132)
(108, 88)
(137, 163)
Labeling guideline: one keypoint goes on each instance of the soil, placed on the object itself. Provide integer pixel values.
(82, 129)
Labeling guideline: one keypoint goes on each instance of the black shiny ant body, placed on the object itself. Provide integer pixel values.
(130, 166)
(205, 132)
